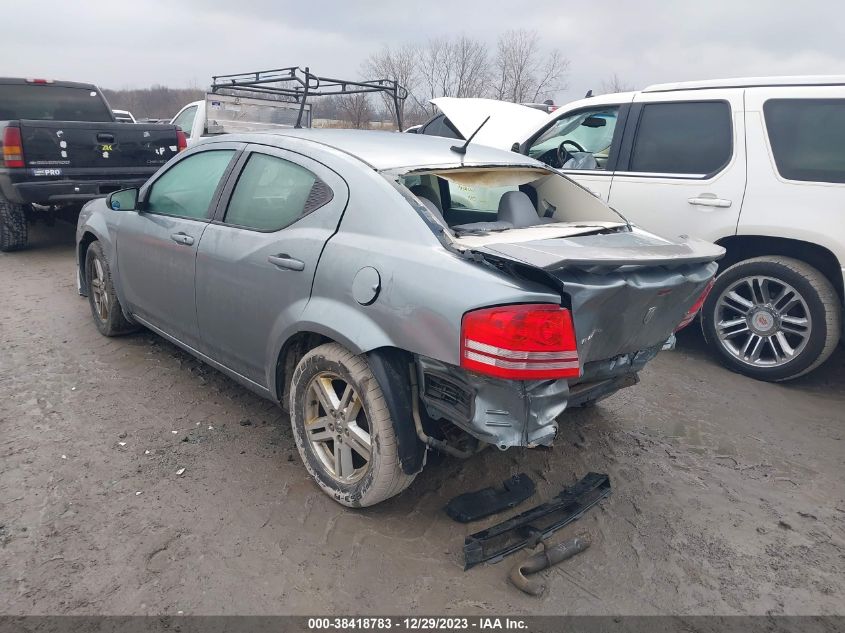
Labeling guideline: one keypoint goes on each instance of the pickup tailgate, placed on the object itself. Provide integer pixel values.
(628, 289)
(96, 147)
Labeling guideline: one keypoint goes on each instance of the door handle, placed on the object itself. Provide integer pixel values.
(104, 137)
(182, 238)
(705, 200)
(286, 262)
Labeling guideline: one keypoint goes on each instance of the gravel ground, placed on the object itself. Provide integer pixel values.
(728, 494)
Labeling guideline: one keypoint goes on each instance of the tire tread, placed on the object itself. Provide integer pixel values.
(14, 231)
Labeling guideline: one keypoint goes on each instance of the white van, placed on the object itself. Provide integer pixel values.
(756, 165)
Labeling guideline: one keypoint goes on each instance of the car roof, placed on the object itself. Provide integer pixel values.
(612, 98)
(750, 82)
(386, 151)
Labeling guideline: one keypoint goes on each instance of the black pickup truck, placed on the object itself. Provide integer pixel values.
(61, 147)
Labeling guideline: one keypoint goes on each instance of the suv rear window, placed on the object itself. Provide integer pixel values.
(46, 102)
(440, 126)
(691, 138)
(808, 138)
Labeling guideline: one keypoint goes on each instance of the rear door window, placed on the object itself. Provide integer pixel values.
(686, 138)
(186, 189)
(808, 138)
(272, 193)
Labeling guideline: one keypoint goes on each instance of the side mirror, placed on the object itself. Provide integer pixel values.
(594, 121)
(123, 200)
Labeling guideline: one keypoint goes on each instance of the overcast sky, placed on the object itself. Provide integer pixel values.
(183, 42)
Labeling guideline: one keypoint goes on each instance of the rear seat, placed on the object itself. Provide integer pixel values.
(516, 208)
(515, 211)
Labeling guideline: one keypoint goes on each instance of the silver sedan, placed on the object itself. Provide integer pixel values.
(395, 293)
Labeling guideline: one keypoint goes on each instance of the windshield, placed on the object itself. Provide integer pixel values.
(474, 201)
(46, 102)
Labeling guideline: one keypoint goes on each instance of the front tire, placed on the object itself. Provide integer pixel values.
(105, 307)
(14, 232)
(343, 429)
(772, 318)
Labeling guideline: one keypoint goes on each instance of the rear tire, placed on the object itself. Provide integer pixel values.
(749, 324)
(14, 232)
(343, 428)
(105, 306)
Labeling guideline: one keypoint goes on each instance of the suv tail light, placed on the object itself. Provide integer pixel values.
(690, 315)
(181, 140)
(12, 147)
(520, 342)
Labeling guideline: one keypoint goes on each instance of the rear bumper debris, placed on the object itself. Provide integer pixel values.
(472, 506)
(534, 525)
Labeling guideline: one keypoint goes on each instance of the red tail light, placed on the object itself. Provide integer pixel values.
(181, 140)
(12, 147)
(520, 342)
(690, 315)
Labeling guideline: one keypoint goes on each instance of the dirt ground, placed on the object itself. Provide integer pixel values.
(728, 494)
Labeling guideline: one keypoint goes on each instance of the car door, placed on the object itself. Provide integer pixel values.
(185, 120)
(681, 169)
(584, 144)
(256, 261)
(157, 244)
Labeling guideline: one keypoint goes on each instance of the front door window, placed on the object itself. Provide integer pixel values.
(186, 189)
(581, 140)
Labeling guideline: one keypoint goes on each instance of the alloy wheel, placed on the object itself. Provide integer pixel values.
(98, 290)
(762, 321)
(336, 427)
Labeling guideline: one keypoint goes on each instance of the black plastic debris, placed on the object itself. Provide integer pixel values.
(534, 525)
(472, 506)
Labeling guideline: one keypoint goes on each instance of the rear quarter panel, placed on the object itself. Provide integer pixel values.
(775, 206)
(424, 291)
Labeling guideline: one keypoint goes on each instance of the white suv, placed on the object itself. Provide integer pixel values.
(756, 165)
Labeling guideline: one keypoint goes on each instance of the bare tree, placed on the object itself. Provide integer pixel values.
(615, 84)
(156, 101)
(523, 72)
(398, 64)
(456, 67)
(355, 110)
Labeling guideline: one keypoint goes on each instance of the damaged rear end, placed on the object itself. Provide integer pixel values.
(623, 293)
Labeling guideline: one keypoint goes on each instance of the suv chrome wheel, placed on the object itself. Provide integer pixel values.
(337, 428)
(762, 321)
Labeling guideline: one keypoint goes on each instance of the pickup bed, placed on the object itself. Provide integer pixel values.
(61, 147)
